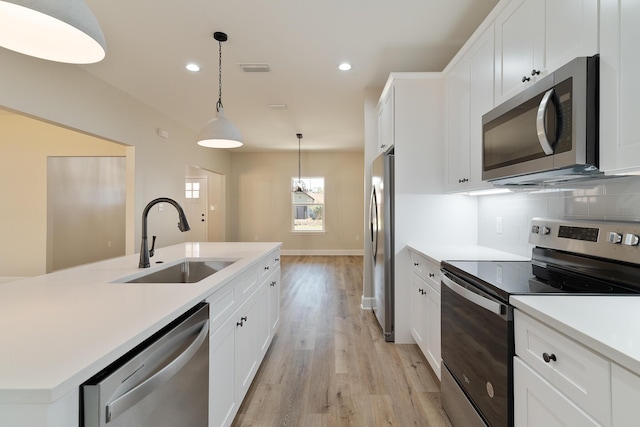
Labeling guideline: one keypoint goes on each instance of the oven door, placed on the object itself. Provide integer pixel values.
(477, 351)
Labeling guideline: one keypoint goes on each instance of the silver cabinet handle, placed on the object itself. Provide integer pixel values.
(540, 124)
(479, 300)
(119, 405)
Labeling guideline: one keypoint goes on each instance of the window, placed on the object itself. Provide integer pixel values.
(192, 190)
(308, 204)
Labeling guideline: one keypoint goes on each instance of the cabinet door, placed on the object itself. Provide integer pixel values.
(386, 122)
(418, 321)
(432, 314)
(246, 350)
(274, 302)
(223, 402)
(457, 84)
(519, 47)
(571, 30)
(619, 86)
(625, 386)
(481, 92)
(537, 403)
(263, 327)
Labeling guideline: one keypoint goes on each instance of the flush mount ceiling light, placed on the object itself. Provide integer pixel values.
(345, 66)
(219, 132)
(192, 67)
(55, 30)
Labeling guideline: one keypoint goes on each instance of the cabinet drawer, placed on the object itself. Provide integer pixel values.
(579, 373)
(425, 269)
(221, 305)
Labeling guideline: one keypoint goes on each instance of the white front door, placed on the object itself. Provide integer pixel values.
(196, 208)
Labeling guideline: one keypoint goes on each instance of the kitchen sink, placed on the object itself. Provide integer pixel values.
(188, 271)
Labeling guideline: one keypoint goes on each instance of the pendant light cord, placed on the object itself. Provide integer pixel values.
(299, 178)
(219, 103)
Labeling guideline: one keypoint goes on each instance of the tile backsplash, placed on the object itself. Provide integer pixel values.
(614, 199)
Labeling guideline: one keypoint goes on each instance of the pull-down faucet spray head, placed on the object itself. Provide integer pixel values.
(183, 225)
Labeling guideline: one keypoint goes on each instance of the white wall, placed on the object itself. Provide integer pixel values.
(615, 199)
(67, 95)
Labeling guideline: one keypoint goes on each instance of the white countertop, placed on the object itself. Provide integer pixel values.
(606, 324)
(438, 253)
(59, 329)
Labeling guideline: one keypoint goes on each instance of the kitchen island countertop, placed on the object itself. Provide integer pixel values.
(59, 329)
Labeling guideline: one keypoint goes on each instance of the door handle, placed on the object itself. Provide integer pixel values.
(125, 401)
(541, 125)
(477, 299)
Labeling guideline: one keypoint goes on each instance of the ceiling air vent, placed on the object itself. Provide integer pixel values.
(255, 68)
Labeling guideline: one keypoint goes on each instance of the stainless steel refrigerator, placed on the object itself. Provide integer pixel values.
(381, 217)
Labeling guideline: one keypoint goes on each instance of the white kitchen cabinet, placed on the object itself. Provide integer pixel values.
(564, 383)
(241, 332)
(425, 308)
(469, 96)
(535, 37)
(386, 121)
(537, 403)
(625, 388)
(619, 87)
(519, 47)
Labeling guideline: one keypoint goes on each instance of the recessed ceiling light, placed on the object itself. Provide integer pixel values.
(345, 66)
(192, 67)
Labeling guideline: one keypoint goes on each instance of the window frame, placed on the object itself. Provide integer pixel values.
(294, 205)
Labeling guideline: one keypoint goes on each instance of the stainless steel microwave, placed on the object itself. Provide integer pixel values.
(548, 133)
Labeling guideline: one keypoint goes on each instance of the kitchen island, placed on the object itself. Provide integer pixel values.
(59, 329)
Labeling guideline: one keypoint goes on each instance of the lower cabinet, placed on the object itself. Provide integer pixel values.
(425, 309)
(240, 338)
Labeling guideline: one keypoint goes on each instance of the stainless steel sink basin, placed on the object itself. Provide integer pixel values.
(189, 271)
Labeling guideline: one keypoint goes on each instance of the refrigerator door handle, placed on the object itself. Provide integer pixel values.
(373, 218)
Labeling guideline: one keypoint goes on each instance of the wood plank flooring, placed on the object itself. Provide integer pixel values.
(328, 364)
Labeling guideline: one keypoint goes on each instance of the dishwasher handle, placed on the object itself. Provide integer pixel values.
(476, 298)
(120, 404)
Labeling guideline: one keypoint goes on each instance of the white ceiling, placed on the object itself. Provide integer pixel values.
(303, 41)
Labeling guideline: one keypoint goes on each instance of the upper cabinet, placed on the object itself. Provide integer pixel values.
(619, 86)
(534, 37)
(411, 119)
(386, 134)
(469, 96)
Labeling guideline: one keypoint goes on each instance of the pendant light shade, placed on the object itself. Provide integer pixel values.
(55, 30)
(220, 132)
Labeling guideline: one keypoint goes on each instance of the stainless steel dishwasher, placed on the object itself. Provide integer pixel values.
(163, 382)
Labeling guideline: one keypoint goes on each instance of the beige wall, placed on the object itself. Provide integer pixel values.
(261, 209)
(65, 94)
(25, 145)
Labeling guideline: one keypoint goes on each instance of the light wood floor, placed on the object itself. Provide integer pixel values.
(328, 364)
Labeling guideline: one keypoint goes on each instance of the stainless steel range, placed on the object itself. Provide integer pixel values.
(592, 258)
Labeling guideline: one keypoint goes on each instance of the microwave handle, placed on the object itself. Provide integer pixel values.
(540, 125)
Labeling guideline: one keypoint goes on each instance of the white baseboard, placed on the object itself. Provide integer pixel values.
(10, 279)
(366, 303)
(323, 252)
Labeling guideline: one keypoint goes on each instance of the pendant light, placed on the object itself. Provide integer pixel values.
(300, 186)
(55, 30)
(220, 132)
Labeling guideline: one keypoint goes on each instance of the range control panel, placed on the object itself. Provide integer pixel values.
(605, 239)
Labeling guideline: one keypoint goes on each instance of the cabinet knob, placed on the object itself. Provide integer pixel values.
(549, 357)
(272, 284)
(462, 180)
(416, 264)
(277, 259)
(432, 275)
(420, 291)
(243, 318)
(266, 268)
(535, 72)
(525, 79)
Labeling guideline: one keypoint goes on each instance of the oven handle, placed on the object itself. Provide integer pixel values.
(477, 299)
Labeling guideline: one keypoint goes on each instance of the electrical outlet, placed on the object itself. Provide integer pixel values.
(357, 238)
(499, 224)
